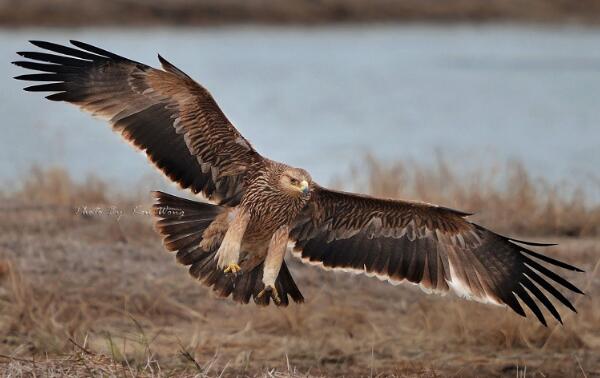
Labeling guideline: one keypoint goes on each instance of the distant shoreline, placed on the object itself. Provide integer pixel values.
(83, 13)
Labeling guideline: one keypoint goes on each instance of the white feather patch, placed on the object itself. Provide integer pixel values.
(459, 287)
(462, 290)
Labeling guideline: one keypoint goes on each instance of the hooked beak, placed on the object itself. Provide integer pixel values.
(304, 187)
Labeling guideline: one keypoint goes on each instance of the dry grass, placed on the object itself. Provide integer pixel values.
(211, 12)
(505, 198)
(98, 295)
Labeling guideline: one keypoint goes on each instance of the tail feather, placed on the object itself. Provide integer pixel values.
(182, 223)
(243, 289)
(288, 284)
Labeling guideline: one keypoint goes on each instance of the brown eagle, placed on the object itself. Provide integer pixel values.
(236, 244)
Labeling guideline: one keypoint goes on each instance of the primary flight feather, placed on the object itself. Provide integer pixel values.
(236, 244)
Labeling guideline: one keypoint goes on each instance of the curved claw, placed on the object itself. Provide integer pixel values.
(232, 268)
(272, 292)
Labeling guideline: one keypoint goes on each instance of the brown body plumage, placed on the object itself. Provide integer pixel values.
(236, 244)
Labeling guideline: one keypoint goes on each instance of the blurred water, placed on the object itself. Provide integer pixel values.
(321, 98)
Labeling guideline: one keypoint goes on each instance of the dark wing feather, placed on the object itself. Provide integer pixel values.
(174, 120)
(434, 247)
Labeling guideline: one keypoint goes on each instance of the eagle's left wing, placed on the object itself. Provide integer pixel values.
(434, 247)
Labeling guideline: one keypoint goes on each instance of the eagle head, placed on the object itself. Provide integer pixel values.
(295, 182)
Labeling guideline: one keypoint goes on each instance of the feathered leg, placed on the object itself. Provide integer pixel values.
(228, 255)
(273, 262)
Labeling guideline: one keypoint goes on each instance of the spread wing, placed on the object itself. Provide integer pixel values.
(434, 247)
(165, 113)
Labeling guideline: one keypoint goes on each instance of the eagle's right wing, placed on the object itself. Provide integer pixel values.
(165, 113)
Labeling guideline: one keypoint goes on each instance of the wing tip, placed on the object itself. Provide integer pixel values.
(81, 45)
(158, 195)
(16, 62)
(166, 65)
(101, 53)
(534, 244)
(38, 43)
(460, 213)
(170, 67)
(31, 88)
(552, 261)
(76, 42)
(578, 291)
(59, 96)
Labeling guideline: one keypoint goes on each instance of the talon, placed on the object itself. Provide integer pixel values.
(232, 268)
(272, 292)
(275, 296)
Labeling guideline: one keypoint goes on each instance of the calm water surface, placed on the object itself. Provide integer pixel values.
(322, 98)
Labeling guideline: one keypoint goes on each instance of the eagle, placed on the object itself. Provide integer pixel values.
(236, 239)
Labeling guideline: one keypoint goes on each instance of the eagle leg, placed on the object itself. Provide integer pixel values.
(228, 255)
(274, 260)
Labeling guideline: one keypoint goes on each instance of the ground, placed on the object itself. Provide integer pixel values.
(94, 293)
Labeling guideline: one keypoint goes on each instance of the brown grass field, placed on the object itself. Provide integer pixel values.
(121, 13)
(97, 295)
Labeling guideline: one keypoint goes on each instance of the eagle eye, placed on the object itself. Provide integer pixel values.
(294, 181)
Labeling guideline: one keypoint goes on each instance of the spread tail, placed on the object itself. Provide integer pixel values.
(182, 224)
